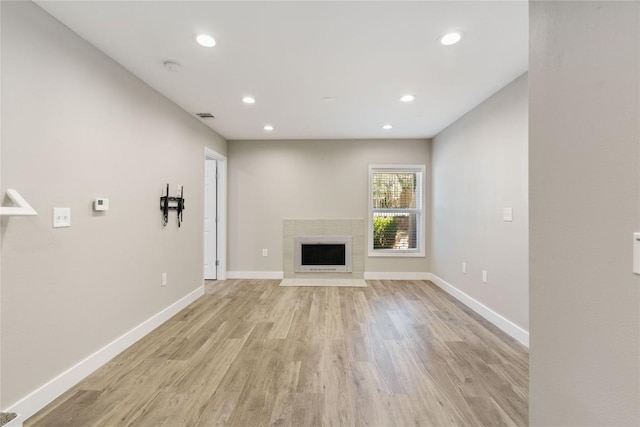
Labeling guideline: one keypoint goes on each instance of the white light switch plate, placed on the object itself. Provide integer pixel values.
(61, 217)
(508, 214)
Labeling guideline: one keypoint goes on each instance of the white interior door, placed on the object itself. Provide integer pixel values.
(210, 223)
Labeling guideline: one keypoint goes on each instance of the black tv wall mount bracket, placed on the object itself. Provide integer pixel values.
(170, 203)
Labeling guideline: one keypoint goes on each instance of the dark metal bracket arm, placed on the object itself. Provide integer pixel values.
(170, 203)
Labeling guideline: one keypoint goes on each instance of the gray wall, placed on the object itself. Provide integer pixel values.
(480, 167)
(76, 125)
(273, 180)
(585, 205)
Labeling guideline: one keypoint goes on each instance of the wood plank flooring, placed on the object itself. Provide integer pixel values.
(250, 353)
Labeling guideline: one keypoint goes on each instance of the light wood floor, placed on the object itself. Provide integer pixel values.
(251, 353)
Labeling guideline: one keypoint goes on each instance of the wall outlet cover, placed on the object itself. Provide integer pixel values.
(508, 214)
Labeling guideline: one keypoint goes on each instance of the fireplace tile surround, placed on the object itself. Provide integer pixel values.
(293, 228)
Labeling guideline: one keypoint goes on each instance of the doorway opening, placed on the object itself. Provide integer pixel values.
(215, 208)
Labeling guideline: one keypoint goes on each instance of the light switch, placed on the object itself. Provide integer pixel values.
(508, 214)
(61, 217)
(636, 253)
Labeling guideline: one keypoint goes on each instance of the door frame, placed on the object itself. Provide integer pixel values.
(221, 223)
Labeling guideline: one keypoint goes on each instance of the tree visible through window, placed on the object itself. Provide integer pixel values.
(396, 213)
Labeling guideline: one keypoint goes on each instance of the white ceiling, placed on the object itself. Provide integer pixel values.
(290, 55)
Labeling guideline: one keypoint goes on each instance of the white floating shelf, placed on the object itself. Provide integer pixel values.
(23, 208)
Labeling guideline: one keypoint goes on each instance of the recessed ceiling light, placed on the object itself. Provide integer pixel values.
(249, 100)
(268, 128)
(407, 98)
(387, 127)
(205, 40)
(450, 38)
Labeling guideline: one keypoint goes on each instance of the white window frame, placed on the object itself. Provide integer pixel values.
(420, 171)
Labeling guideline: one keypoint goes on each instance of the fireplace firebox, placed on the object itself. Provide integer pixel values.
(323, 254)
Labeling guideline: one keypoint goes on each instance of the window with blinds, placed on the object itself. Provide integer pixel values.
(396, 210)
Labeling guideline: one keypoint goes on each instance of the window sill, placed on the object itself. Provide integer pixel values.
(395, 254)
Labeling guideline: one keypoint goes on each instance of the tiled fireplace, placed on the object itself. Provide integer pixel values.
(329, 235)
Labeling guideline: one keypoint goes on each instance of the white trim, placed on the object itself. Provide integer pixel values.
(23, 208)
(39, 398)
(497, 319)
(16, 422)
(388, 253)
(222, 212)
(255, 275)
(396, 275)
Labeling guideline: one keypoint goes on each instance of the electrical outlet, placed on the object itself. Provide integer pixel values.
(507, 214)
(163, 281)
(484, 276)
(464, 267)
(265, 252)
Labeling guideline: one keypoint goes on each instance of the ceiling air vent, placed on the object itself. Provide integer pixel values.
(205, 115)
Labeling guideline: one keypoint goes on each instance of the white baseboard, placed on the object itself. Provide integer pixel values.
(44, 395)
(255, 275)
(398, 275)
(500, 321)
